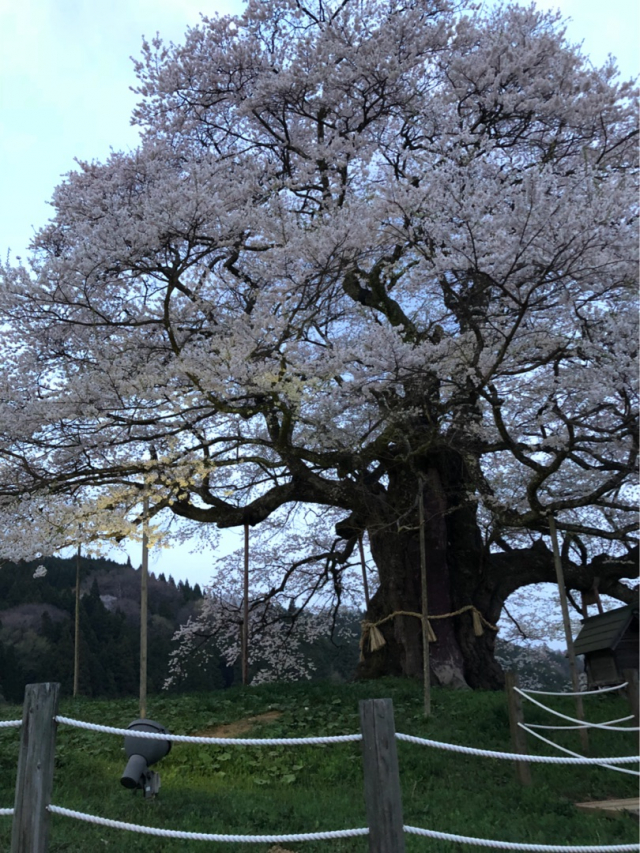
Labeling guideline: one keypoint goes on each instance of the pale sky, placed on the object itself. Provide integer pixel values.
(65, 73)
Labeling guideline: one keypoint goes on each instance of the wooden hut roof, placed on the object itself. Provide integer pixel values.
(605, 630)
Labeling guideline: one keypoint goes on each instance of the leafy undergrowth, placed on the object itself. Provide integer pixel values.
(274, 790)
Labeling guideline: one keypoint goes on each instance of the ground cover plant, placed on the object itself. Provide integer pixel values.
(274, 790)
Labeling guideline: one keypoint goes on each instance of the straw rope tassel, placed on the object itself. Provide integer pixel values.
(376, 640)
(478, 630)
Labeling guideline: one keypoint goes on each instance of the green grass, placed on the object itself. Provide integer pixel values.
(267, 790)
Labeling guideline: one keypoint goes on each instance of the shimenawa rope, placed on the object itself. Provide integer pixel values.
(376, 640)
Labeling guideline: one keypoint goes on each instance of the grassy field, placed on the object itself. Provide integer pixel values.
(273, 790)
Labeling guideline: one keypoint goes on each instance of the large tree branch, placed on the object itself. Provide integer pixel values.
(521, 567)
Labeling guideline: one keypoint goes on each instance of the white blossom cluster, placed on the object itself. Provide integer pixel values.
(296, 590)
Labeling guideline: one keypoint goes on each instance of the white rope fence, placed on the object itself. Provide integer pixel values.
(516, 756)
(582, 692)
(215, 741)
(570, 752)
(340, 833)
(310, 741)
(8, 724)
(209, 836)
(573, 728)
(581, 723)
(345, 833)
(513, 845)
(572, 758)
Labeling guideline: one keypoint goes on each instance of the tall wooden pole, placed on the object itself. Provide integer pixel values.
(584, 737)
(245, 610)
(76, 639)
(426, 677)
(365, 582)
(144, 586)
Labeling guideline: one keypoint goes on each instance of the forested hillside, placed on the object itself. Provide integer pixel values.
(37, 631)
(37, 625)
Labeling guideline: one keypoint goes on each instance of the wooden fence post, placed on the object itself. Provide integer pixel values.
(30, 829)
(381, 776)
(573, 667)
(518, 735)
(631, 675)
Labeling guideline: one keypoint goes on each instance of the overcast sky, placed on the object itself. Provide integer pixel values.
(65, 73)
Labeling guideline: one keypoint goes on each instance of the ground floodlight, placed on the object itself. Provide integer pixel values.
(142, 752)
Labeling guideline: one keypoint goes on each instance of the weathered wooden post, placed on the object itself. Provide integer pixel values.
(518, 735)
(381, 776)
(631, 677)
(573, 667)
(30, 829)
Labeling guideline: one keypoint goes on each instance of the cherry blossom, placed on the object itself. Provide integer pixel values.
(364, 248)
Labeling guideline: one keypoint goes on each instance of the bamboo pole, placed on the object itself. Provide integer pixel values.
(365, 582)
(584, 737)
(245, 610)
(144, 586)
(76, 639)
(426, 676)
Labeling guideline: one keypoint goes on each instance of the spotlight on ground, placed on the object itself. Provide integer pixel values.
(142, 753)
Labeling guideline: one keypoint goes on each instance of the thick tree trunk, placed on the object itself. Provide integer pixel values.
(460, 572)
(455, 579)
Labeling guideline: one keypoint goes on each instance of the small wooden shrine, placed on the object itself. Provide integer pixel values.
(609, 643)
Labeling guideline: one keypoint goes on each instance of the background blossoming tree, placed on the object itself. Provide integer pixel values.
(364, 248)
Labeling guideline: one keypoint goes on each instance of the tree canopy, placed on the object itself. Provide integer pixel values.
(364, 248)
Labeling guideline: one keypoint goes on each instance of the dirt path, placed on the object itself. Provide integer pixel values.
(240, 727)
